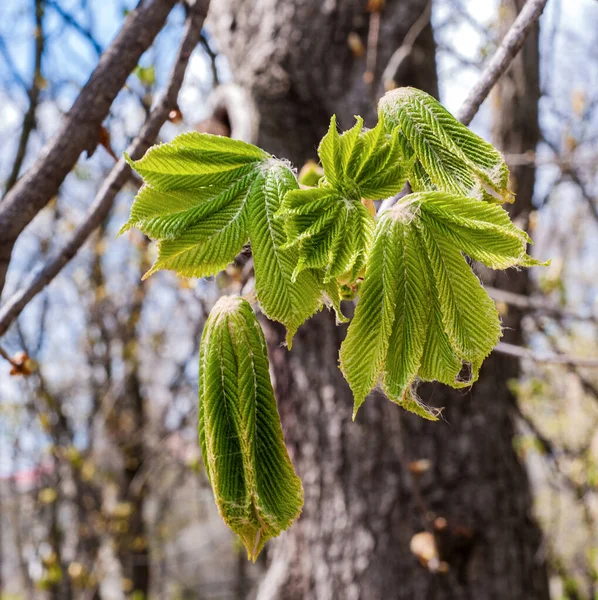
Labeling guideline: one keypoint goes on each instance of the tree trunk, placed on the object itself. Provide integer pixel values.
(363, 502)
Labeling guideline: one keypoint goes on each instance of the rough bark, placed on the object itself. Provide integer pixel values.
(295, 58)
(362, 503)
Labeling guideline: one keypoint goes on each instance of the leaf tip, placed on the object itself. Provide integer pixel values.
(129, 160)
(126, 227)
(255, 550)
(154, 269)
(356, 406)
(529, 261)
(288, 340)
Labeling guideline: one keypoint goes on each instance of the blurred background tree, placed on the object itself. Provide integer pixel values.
(102, 492)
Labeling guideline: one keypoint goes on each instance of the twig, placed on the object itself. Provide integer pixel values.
(81, 127)
(70, 20)
(569, 169)
(212, 56)
(405, 49)
(589, 387)
(538, 305)
(498, 64)
(375, 7)
(502, 58)
(461, 13)
(548, 358)
(463, 61)
(117, 177)
(34, 91)
(590, 201)
(10, 63)
(6, 356)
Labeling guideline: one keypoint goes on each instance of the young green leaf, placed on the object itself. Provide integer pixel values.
(481, 230)
(282, 298)
(195, 201)
(208, 236)
(330, 225)
(330, 155)
(363, 353)
(422, 312)
(195, 160)
(327, 231)
(371, 164)
(469, 316)
(385, 340)
(407, 340)
(255, 486)
(450, 157)
(204, 197)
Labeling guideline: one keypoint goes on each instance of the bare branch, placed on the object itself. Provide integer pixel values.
(6, 356)
(537, 305)
(569, 169)
(212, 56)
(553, 359)
(589, 387)
(590, 201)
(501, 59)
(497, 65)
(117, 177)
(405, 49)
(34, 91)
(10, 63)
(72, 22)
(81, 127)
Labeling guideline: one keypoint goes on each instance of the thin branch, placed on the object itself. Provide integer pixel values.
(29, 120)
(498, 64)
(547, 358)
(538, 305)
(212, 56)
(117, 177)
(590, 200)
(463, 60)
(569, 169)
(587, 160)
(459, 12)
(405, 49)
(10, 63)
(371, 57)
(70, 20)
(6, 356)
(502, 58)
(81, 128)
(589, 387)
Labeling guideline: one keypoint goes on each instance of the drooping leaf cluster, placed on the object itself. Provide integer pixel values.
(255, 486)
(422, 314)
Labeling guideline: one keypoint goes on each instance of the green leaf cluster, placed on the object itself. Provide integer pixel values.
(204, 197)
(330, 225)
(448, 156)
(423, 314)
(255, 486)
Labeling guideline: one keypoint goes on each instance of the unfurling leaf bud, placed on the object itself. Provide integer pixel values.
(255, 486)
